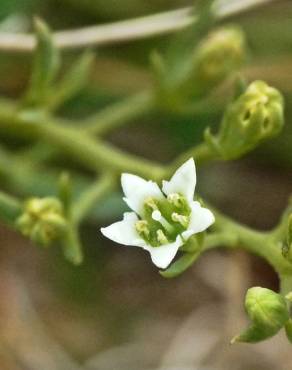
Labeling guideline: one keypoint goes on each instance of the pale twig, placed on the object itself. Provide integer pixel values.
(127, 30)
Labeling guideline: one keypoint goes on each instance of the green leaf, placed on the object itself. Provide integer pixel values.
(45, 66)
(181, 265)
(74, 80)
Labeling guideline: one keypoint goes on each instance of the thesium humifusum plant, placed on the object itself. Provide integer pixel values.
(55, 170)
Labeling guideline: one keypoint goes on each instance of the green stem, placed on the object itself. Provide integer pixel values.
(214, 240)
(10, 208)
(201, 154)
(93, 154)
(72, 246)
(262, 244)
(91, 196)
(118, 114)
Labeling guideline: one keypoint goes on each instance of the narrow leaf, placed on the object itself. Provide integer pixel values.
(45, 65)
(74, 80)
(179, 266)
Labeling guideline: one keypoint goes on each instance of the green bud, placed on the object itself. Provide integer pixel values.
(42, 220)
(255, 116)
(268, 314)
(220, 54)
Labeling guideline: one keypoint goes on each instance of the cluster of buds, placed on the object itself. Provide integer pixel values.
(255, 116)
(42, 220)
(220, 54)
(268, 313)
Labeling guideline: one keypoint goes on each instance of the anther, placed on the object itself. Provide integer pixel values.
(183, 220)
(161, 237)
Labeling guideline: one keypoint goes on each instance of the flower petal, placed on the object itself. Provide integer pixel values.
(183, 181)
(162, 256)
(201, 218)
(124, 231)
(136, 190)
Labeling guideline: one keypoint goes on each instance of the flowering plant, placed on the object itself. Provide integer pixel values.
(167, 222)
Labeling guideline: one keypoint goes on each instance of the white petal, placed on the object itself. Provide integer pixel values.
(136, 190)
(183, 181)
(201, 218)
(124, 232)
(162, 256)
(187, 234)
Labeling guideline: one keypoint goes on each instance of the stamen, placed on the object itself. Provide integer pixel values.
(161, 237)
(183, 220)
(142, 228)
(179, 202)
(175, 199)
(157, 216)
(151, 203)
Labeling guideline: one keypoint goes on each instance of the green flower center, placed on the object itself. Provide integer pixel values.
(163, 219)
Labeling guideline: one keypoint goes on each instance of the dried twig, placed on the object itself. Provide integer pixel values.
(127, 30)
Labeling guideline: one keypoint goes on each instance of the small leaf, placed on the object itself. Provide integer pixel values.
(74, 81)
(179, 266)
(45, 65)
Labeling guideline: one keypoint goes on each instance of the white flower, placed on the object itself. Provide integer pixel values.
(162, 221)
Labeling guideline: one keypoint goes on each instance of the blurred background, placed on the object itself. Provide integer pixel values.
(115, 312)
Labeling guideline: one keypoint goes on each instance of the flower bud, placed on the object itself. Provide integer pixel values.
(42, 220)
(255, 116)
(268, 314)
(220, 54)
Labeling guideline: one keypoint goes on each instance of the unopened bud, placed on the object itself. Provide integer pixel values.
(220, 54)
(268, 313)
(255, 116)
(42, 220)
